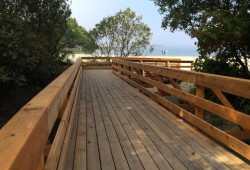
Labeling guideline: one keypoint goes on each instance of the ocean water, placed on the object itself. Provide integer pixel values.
(160, 50)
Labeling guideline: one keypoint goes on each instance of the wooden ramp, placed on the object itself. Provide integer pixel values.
(117, 127)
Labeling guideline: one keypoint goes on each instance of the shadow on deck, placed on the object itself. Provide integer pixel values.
(117, 127)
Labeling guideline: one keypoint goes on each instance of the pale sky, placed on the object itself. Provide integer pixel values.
(90, 12)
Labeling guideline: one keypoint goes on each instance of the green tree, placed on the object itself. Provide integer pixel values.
(121, 35)
(76, 35)
(30, 40)
(220, 26)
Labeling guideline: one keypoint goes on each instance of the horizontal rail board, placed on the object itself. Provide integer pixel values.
(96, 63)
(96, 67)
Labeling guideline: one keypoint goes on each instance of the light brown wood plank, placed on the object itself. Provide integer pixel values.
(80, 160)
(80, 157)
(93, 159)
(104, 146)
(70, 158)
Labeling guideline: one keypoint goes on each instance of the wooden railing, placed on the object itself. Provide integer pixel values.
(145, 75)
(24, 139)
(165, 62)
(106, 62)
(96, 63)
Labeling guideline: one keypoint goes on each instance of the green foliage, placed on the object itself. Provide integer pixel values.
(210, 65)
(217, 121)
(218, 66)
(221, 27)
(76, 35)
(30, 40)
(121, 35)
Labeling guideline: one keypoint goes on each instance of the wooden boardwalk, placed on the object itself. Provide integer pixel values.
(117, 127)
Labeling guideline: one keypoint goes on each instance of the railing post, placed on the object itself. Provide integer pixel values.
(167, 64)
(178, 65)
(159, 91)
(199, 93)
(192, 65)
(129, 69)
(122, 68)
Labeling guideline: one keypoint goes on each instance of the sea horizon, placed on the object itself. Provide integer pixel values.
(161, 50)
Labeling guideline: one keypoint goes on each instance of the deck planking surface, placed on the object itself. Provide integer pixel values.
(120, 128)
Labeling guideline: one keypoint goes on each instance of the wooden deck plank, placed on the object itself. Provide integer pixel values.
(70, 158)
(80, 149)
(112, 129)
(80, 157)
(104, 146)
(120, 128)
(93, 159)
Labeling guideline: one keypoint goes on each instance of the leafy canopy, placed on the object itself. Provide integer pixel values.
(221, 27)
(30, 39)
(76, 35)
(121, 35)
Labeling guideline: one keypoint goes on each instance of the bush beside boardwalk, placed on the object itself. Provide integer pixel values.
(13, 99)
